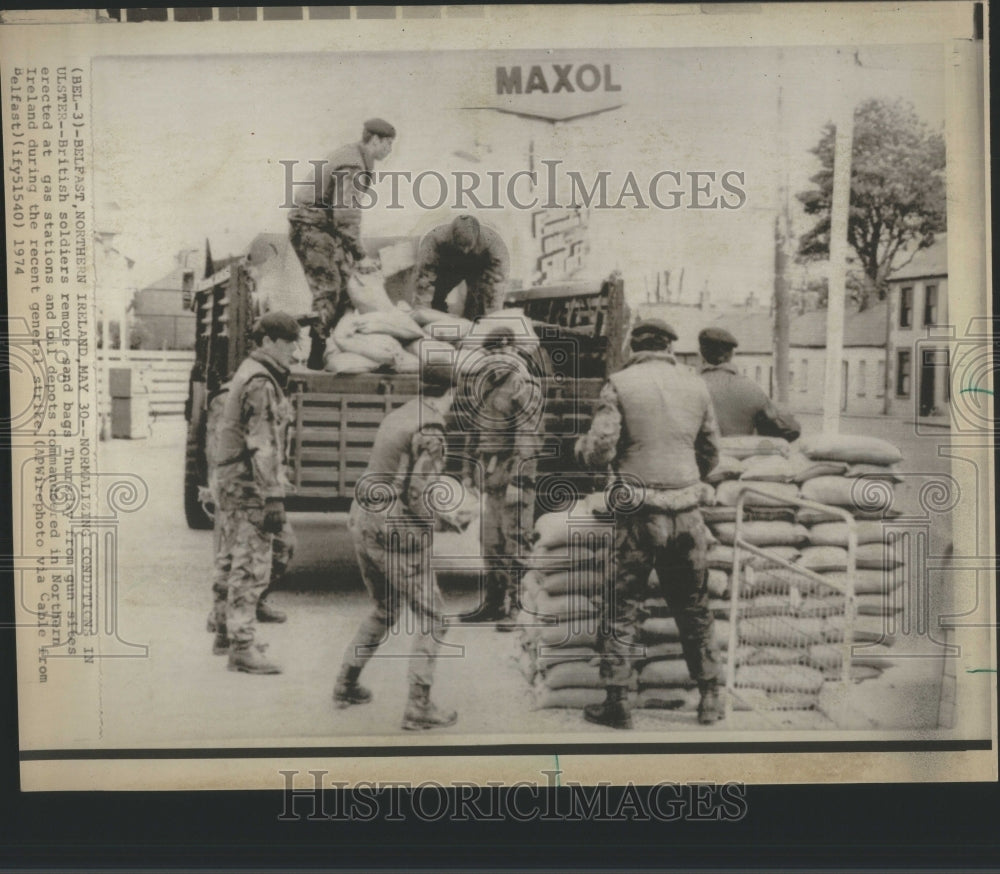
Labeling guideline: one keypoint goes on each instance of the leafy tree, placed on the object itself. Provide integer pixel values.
(897, 192)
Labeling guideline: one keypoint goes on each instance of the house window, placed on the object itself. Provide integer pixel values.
(903, 373)
(804, 382)
(187, 289)
(880, 380)
(906, 306)
(756, 374)
(862, 377)
(931, 305)
(791, 380)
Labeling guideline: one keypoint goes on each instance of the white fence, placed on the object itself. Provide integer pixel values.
(164, 374)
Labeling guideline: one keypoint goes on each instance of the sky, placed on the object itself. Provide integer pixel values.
(188, 148)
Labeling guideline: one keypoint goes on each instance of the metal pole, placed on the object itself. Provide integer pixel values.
(839, 213)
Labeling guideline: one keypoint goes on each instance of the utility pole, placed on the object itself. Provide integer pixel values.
(781, 233)
(839, 214)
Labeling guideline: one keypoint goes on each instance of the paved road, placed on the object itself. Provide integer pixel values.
(184, 694)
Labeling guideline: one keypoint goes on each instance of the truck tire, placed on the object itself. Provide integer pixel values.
(195, 472)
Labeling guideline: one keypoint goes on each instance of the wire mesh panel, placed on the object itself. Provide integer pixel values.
(790, 625)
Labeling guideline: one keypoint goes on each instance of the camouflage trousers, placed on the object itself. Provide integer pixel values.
(507, 527)
(328, 266)
(674, 544)
(252, 555)
(282, 550)
(396, 572)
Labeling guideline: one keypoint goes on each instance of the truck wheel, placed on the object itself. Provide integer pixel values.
(195, 475)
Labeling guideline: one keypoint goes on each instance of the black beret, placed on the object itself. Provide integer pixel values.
(719, 336)
(380, 127)
(654, 327)
(278, 326)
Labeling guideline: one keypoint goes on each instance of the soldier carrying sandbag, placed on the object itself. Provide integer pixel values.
(741, 406)
(391, 524)
(654, 421)
(325, 227)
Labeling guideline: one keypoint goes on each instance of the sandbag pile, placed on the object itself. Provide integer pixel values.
(561, 596)
(789, 625)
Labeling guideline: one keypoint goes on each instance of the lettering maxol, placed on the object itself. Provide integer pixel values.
(563, 77)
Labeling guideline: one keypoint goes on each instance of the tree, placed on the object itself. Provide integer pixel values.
(897, 192)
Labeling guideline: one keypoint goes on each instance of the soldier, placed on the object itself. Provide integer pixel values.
(500, 463)
(460, 251)
(391, 524)
(283, 548)
(251, 484)
(325, 227)
(654, 421)
(741, 406)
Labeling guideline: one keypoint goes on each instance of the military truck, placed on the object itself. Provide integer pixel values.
(580, 326)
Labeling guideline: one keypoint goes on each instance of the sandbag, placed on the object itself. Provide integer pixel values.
(573, 581)
(718, 583)
(781, 678)
(775, 494)
(878, 605)
(665, 650)
(840, 491)
(552, 529)
(655, 607)
(888, 473)
(393, 322)
(566, 635)
(767, 655)
(770, 468)
(830, 657)
(379, 347)
(727, 468)
(868, 582)
(850, 448)
(666, 673)
(835, 533)
(714, 515)
(807, 468)
(782, 631)
(676, 698)
(781, 581)
(367, 293)
(720, 557)
(573, 674)
(744, 446)
(404, 362)
(878, 556)
(349, 362)
(571, 699)
(442, 326)
(549, 657)
(563, 606)
(866, 629)
(763, 533)
(824, 559)
(658, 630)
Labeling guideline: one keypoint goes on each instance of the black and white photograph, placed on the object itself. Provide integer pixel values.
(628, 394)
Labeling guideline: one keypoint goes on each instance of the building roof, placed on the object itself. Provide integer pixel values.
(932, 261)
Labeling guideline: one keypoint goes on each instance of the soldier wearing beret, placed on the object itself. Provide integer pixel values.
(391, 524)
(250, 484)
(741, 406)
(325, 226)
(463, 251)
(654, 421)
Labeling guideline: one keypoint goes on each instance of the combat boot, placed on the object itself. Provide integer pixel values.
(251, 659)
(220, 646)
(510, 621)
(710, 707)
(348, 690)
(422, 713)
(267, 613)
(614, 712)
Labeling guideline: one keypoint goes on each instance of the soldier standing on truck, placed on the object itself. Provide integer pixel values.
(251, 484)
(325, 227)
(460, 251)
(741, 406)
(391, 523)
(500, 463)
(654, 421)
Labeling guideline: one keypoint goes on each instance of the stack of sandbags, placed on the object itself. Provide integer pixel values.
(381, 339)
(561, 596)
(789, 625)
